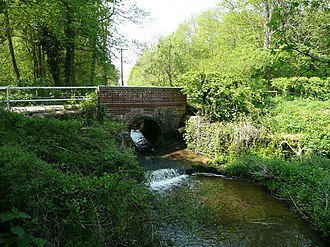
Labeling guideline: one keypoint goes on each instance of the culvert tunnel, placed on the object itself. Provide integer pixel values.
(150, 129)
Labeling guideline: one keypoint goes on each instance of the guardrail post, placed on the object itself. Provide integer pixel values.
(7, 98)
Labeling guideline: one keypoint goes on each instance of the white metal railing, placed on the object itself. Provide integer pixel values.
(9, 100)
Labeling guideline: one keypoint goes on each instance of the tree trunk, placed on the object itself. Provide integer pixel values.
(35, 61)
(10, 45)
(70, 48)
(169, 76)
(105, 75)
(53, 51)
(38, 60)
(268, 10)
(69, 65)
(41, 61)
(93, 62)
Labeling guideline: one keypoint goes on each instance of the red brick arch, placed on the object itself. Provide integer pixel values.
(164, 105)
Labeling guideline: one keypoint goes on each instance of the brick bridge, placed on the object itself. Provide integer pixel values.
(160, 109)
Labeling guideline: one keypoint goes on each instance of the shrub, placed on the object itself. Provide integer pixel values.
(92, 110)
(79, 186)
(306, 118)
(224, 97)
(13, 232)
(314, 87)
(214, 139)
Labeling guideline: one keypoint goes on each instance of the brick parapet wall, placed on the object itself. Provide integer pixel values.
(166, 105)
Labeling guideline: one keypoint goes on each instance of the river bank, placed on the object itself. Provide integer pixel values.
(203, 209)
(69, 183)
(285, 149)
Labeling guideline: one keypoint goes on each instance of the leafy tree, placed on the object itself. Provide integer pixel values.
(303, 27)
(6, 5)
(246, 38)
(160, 65)
(223, 98)
(66, 41)
(211, 42)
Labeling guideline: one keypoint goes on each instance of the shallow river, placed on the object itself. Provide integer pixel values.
(233, 213)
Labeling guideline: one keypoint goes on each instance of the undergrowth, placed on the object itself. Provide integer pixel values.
(78, 185)
(291, 143)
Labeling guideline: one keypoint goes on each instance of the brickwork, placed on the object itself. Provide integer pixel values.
(164, 105)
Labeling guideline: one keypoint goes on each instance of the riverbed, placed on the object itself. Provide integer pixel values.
(203, 209)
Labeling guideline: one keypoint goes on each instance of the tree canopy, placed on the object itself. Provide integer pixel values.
(63, 42)
(262, 39)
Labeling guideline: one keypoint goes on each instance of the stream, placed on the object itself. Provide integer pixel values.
(201, 209)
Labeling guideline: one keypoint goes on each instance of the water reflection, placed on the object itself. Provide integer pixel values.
(243, 214)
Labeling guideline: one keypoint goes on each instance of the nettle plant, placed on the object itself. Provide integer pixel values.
(13, 232)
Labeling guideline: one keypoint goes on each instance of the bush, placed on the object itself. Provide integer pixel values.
(71, 145)
(92, 110)
(219, 138)
(79, 186)
(314, 87)
(12, 232)
(224, 97)
(307, 119)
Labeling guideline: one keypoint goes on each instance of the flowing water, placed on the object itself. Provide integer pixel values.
(210, 210)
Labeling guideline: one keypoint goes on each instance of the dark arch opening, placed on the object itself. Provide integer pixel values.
(149, 128)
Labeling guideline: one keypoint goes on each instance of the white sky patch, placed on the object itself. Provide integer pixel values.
(165, 17)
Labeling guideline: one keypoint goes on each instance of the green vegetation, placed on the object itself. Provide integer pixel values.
(62, 43)
(312, 88)
(305, 182)
(287, 150)
(224, 97)
(69, 183)
(257, 73)
(258, 39)
(307, 121)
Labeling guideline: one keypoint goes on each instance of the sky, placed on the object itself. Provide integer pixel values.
(164, 18)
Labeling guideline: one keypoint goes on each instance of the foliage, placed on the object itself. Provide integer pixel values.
(305, 182)
(79, 186)
(313, 87)
(305, 118)
(92, 110)
(224, 97)
(210, 42)
(246, 38)
(161, 65)
(223, 138)
(67, 42)
(12, 232)
(292, 146)
(303, 29)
